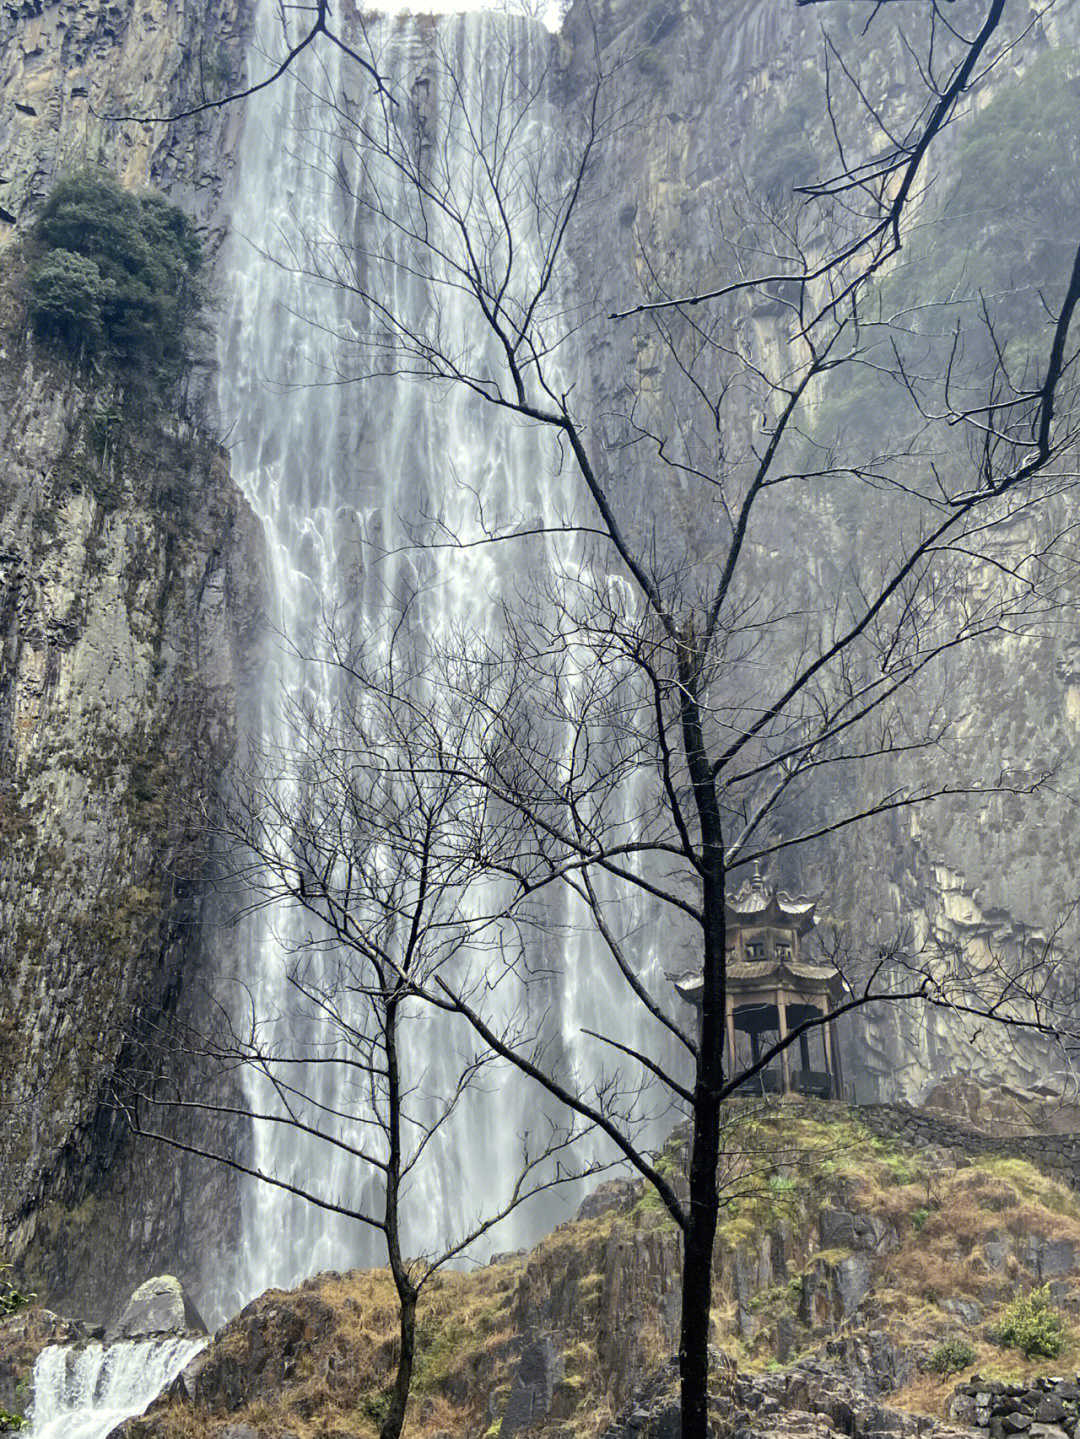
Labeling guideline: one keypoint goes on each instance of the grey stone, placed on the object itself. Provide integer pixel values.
(617, 1194)
(1057, 1257)
(852, 1281)
(539, 1370)
(840, 1229)
(962, 1408)
(968, 1311)
(160, 1306)
(1050, 1409)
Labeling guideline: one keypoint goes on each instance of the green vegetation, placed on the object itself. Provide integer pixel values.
(1032, 1325)
(12, 1299)
(11, 1422)
(951, 1357)
(116, 279)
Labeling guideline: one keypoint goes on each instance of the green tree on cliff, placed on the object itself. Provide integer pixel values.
(117, 279)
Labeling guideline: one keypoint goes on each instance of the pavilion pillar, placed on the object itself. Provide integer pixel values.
(835, 1067)
(785, 1059)
(830, 1062)
(755, 1045)
(730, 1018)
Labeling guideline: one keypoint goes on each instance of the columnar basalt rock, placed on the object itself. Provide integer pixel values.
(130, 590)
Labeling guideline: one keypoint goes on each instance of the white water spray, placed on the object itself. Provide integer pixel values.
(85, 1392)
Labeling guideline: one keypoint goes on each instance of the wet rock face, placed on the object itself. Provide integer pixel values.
(979, 877)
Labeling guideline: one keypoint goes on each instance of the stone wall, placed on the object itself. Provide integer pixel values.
(1055, 1154)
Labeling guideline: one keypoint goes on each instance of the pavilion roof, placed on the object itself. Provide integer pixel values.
(757, 902)
(795, 976)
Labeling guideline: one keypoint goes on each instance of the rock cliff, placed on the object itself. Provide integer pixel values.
(718, 113)
(130, 596)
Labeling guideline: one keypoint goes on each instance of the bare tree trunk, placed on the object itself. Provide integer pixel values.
(700, 1233)
(394, 1421)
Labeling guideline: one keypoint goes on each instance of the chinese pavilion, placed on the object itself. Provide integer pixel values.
(772, 989)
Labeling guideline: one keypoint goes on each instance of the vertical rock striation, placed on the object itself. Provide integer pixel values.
(130, 593)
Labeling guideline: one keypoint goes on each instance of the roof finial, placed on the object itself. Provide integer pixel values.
(758, 881)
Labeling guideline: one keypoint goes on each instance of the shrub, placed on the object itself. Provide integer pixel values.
(1032, 1325)
(117, 277)
(951, 1356)
(11, 1298)
(919, 1217)
(10, 1423)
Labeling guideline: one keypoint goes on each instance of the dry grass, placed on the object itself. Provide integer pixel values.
(943, 1221)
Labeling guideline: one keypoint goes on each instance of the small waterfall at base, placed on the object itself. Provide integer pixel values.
(84, 1392)
(338, 473)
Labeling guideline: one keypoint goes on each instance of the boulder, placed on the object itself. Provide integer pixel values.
(852, 1282)
(840, 1229)
(1057, 1257)
(617, 1194)
(1050, 1409)
(160, 1306)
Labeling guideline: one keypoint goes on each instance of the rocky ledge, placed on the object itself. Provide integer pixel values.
(1047, 1408)
(809, 1400)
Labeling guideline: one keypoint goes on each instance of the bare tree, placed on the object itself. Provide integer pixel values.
(648, 715)
(351, 826)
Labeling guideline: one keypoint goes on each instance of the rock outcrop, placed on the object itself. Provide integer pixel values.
(577, 1336)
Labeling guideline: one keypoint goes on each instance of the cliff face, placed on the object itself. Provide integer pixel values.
(66, 64)
(130, 594)
(719, 114)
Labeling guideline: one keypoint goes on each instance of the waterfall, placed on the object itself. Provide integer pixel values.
(336, 471)
(85, 1392)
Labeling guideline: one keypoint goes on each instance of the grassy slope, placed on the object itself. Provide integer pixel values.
(602, 1288)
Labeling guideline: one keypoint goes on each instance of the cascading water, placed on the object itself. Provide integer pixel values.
(85, 1392)
(340, 473)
